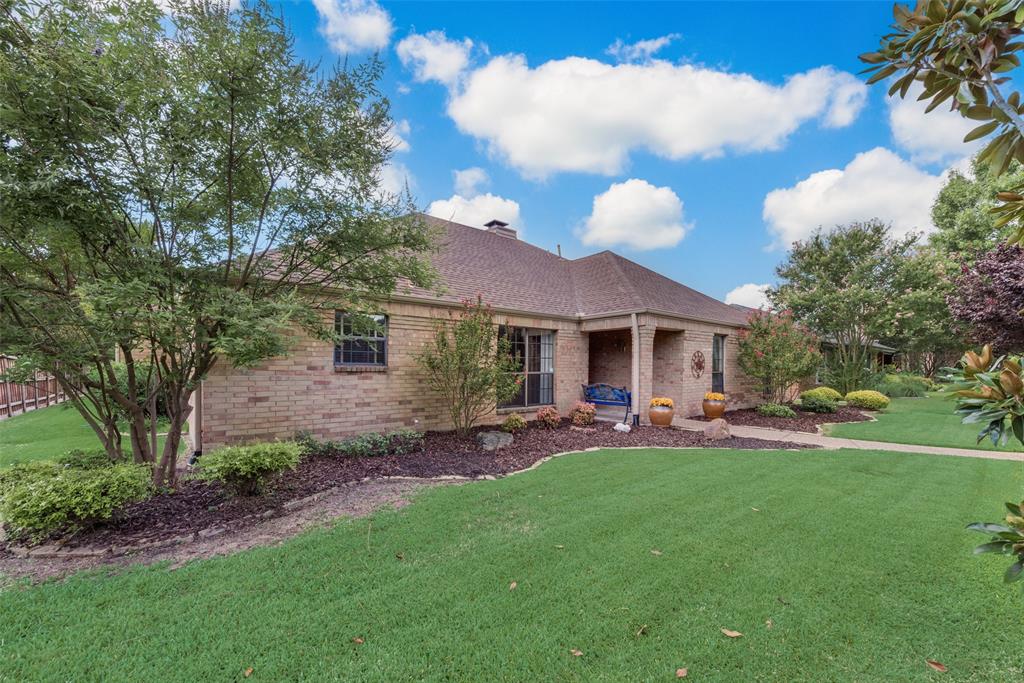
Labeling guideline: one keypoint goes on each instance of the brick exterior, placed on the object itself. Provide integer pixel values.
(305, 392)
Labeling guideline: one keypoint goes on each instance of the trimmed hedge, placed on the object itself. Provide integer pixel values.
(817, 404)
(775, 410)
(867, 399)
(368, 445)
(827, 393)
(39, 498)
(245, 470)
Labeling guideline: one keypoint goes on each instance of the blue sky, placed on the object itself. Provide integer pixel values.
(697, 139)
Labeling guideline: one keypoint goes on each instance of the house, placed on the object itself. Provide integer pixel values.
(597, 319)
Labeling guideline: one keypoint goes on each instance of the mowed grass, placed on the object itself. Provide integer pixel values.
(854, 566)
(928, 421)
(43, 434)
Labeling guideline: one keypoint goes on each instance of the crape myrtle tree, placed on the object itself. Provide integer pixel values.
(179, 190)
(988, 298)
(777, 351)
(844, 285)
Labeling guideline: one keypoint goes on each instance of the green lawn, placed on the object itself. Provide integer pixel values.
(858, 561)
(46, 433)
(926, 421)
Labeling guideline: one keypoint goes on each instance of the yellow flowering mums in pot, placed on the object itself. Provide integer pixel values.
(714, 405)
(661, 411)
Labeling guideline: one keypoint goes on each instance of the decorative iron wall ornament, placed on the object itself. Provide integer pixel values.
(697, 364)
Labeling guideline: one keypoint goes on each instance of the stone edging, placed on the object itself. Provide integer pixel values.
(821, 432)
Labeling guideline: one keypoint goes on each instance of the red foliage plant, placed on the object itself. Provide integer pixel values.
(989, 296)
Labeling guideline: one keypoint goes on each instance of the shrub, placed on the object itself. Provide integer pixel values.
(827, 393)
(582, 414)
(369, 445)
(405, 441)
(513, 423)
(868, 399)
(777, 351)
(904, 385)
(85, 459)
(41, 498)
(245, 470)
(548, 417)
(775, 410)
(817, 404)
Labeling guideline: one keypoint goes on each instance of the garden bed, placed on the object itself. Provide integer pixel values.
(803, 422)
(198, 507)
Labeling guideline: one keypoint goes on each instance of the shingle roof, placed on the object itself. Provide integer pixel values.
(515, 275)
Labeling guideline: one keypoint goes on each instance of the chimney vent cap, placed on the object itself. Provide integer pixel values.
(501, 228)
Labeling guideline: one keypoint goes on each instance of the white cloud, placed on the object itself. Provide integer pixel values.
(750, 294)
(400, 136)
(394, 177)
(933, 137)
(433, 57)
(354, 25)
(640, 51)
(579, 114)
(477, 210)
(468, 181)
(635, 214)
(876, 184)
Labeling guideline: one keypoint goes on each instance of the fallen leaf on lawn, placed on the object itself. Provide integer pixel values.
(248, 672)
(681, 673)
(755, 509)
(938, 666)
(512, 586)
(358, 640)
(642, 630)
(782, 600)
(731, 634)
(559, 547)
(656, 552)
(399, 556)
(769, 623)
(576, 653)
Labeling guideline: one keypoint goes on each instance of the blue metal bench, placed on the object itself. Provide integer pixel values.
(607, 395)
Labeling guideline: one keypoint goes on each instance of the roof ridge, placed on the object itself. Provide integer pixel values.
(485, 231)
(637, 294)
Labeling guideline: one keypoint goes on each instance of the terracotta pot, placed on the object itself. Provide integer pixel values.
(661, 416)
(713, 409)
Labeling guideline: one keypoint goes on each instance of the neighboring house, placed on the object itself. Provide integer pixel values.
(601, 318)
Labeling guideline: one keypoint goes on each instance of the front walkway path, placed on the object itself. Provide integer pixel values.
(833, 442)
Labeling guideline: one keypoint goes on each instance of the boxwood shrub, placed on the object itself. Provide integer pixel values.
(368, 445)
(827, 393)
(867, 399)
(245, 470)
(513, 423)
(775, 410)
(39, 498)
(817, 404)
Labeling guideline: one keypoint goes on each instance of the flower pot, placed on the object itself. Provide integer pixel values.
(661, 416)
(713, 409)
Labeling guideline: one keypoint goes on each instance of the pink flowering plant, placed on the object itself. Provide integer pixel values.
(778, 352)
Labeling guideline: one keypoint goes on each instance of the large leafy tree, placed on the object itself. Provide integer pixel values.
(988, 298)
(180, 189)
(844, 285)
(962, 52)
(962, 213)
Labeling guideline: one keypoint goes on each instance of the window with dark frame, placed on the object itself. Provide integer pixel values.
(364, 340)
(534, 352)
(718, 364)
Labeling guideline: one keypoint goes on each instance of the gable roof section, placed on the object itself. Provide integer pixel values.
(514, 275)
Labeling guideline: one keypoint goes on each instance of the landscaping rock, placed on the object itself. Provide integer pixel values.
(717, 430)
(622, 427)
(492, 441)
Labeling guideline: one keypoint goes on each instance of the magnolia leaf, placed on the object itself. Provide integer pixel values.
(732, 634)
(1013, 571)
(512, 586)
(656, 552)
(248, 672)
(938, 666)
(576, 653)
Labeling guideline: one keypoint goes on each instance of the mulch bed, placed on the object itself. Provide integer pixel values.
(803, 422)
(197, 505)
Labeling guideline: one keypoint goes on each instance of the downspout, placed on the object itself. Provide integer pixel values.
(636, 368)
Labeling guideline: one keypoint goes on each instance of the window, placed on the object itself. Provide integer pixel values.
(718, 364)
(364, 339)
(534, 352)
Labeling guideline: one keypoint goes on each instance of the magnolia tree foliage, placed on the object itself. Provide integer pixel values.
(989, 296)
(778, 352)
(179, 188)
(846, 286)
(470, 366)
(962, 52)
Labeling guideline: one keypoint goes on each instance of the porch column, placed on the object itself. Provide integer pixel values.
(643, 367)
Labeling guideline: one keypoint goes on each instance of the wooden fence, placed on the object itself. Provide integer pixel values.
(16, 398)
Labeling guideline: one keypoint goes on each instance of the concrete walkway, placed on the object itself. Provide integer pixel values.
(832, 442)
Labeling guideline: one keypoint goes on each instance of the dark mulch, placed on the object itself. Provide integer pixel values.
(198, 505)
(803, 422)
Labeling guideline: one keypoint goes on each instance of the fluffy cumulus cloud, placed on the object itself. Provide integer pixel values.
(354, 25)
(635, 214)
(641, 50)
(433, 57)
(477, 210)
(750, 294)
(933, 137)
(876, 184)
(468, 181)
(577, 114)
(395, 177)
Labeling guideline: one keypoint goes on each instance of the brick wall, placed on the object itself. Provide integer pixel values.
(611, 358)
